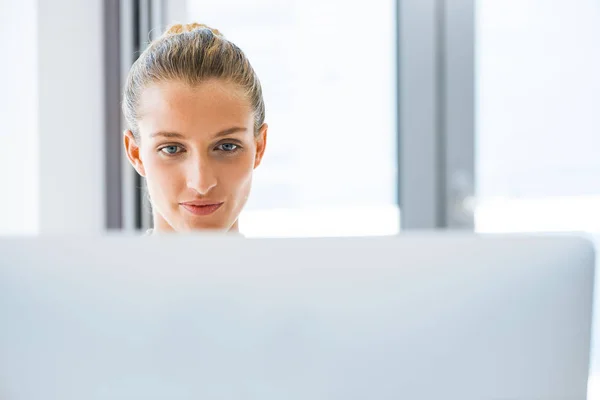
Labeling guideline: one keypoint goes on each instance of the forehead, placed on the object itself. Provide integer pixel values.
(205, 108)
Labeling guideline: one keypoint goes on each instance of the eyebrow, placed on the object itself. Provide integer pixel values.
(176, 135)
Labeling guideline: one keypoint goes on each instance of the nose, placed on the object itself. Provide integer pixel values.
(201, 176)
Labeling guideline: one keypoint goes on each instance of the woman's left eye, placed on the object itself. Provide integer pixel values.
(227, 147)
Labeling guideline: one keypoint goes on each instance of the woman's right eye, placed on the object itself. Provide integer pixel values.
(171, 150)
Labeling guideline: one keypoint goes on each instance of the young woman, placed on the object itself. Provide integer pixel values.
(197, 128)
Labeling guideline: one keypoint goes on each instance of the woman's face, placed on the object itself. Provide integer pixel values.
(197, 150)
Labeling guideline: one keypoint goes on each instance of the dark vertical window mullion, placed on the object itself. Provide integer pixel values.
(137, 46)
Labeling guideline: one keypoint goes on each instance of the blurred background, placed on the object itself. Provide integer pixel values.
(385, 116)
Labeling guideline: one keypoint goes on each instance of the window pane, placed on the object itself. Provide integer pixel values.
(328, 73)
(539, 96)
(538, 139)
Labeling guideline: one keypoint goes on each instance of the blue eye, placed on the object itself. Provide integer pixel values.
(228, 147)
(171, 150)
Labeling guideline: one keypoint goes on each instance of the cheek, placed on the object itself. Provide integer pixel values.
(237, 176)
(162, 177)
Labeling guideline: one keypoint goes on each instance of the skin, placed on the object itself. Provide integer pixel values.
(196, 144)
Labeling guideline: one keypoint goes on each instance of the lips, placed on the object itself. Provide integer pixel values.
(201, 208)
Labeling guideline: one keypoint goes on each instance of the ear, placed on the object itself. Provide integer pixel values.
(132, 149)
(261, 144)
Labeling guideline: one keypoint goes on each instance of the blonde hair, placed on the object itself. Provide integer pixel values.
(191, 53)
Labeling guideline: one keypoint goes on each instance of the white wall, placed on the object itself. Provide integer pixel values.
(71, 115)
(51, 116)
(18, 117)
(176, 11)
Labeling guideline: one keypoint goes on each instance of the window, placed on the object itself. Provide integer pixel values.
(537, 115)
(538, 80)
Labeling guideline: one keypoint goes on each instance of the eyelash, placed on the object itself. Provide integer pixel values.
(160, 150)
(237, 148)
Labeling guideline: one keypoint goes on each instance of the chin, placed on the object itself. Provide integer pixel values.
(205, 226)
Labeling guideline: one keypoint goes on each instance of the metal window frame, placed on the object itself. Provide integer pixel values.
(129, 26)
(419, 189)
(436, 114)
(459, 115)
(113, 143)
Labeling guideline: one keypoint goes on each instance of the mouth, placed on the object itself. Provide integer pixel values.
(201, 209)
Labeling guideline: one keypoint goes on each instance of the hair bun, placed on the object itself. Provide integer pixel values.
(194, 26)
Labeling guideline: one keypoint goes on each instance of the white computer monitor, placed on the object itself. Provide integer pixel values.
(420, 317)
